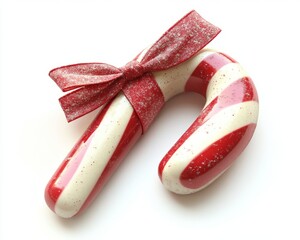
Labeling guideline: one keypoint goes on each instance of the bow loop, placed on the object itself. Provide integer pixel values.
(132, 70)
(78, 75)
(181, 42)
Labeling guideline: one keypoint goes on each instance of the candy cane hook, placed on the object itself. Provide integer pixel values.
(222, 130)
(209, 146)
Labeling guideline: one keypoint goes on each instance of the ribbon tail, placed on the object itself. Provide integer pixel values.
(86, 99)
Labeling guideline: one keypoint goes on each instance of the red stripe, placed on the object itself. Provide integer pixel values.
(239, 91)
(216, 158)
(199, 79)
(59, 181)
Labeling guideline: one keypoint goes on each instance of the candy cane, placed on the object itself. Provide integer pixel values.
(209, 146)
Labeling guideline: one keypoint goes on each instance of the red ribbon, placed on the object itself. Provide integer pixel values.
(94, 84)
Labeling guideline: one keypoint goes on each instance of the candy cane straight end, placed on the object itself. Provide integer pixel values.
(94, 158)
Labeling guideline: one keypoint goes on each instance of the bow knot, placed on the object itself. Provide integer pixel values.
(95, 84)
(132, 70)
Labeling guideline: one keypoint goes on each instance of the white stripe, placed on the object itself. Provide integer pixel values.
(173, 81)
(104, 142)
(219, 125)
(222, 79)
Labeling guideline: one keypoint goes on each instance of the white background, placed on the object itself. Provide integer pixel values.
(258, 198)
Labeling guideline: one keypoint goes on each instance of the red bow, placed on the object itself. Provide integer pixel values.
(94, 84)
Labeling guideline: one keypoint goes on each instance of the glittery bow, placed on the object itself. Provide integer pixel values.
(94, 84)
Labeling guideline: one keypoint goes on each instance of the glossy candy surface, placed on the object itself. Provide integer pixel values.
(210, 145)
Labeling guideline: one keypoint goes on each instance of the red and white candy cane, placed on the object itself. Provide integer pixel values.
(209, 146)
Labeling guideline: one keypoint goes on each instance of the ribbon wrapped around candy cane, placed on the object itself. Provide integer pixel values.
(133, 95)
